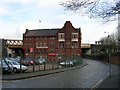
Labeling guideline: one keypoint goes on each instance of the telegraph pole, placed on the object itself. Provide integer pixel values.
(118, 48)
(118, 29)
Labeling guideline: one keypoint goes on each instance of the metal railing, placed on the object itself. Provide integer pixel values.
(48, 65)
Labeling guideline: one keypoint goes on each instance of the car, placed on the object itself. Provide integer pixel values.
(15, 66)
(27, 61)
(30, 62)
(16, 59)
(4, 67)
(75, 61)
(24, 62)
(67, 63)
(8, 58)
(40, 61)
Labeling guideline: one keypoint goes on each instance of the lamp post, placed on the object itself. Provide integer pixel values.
(109, 59)
(118, 28)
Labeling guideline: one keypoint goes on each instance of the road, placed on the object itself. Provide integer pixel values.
(85, 77)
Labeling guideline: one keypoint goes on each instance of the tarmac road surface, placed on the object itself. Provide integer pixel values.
(86, 77)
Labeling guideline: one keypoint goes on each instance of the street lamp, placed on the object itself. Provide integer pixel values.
(118, 26)
(109, 55)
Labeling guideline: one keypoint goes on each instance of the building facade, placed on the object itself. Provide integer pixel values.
(53, 44)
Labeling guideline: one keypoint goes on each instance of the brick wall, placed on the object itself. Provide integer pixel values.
(50, 44)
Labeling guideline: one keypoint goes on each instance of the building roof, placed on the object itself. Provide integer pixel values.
(41, 32)
(48, 32)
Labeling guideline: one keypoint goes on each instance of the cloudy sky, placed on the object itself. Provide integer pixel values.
(17, 15)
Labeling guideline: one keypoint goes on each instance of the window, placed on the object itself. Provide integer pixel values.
(74, 35)
(9, 63)
(37, 51)
(26, 39)
(45, 51)
(40, 51)
(44, 44)
(74, 45)
(36, 44)
(45, 37)
(28, 50)
(41, 37)
(61, 35)
(61, 45)
(25, 43)
(40, 44)
(51, 44)
(52, 38)
(72, 55)
(51, 51)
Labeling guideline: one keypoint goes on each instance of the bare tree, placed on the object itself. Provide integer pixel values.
(111, 40)
(105, 9)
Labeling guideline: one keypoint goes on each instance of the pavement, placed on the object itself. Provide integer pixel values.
(111, 83)
(18, 76)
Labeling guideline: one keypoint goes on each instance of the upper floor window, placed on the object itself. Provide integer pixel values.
(44, 44)
(74, 35)
(61, 45)
(74, 45)
(51, 44)
(40, 44)
(25, 39)
(61, 36)
(37, 38)
(36, 44)
(52, 38)
(51, 51)
(41, 37)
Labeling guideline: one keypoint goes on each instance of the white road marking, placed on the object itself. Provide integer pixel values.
(97, 84)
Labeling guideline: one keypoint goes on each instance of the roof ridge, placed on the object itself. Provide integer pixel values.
(44, 29)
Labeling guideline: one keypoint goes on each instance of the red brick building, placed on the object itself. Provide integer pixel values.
(53, 43)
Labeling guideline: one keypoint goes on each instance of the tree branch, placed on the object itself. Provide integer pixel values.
(94, 8)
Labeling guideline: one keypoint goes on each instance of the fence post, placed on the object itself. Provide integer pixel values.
(20, 61)
(8, 66)
(44, 66)
(109, 66)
